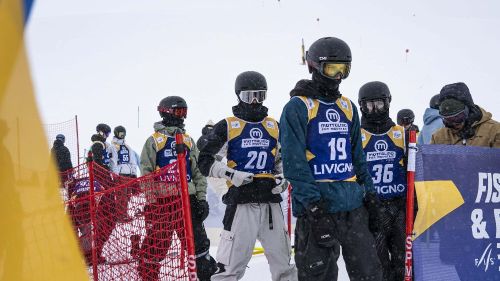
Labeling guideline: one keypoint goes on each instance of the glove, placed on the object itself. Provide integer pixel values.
(323, 229)
(281, 184)
(375, 209)
(203, 210)
(237, 178)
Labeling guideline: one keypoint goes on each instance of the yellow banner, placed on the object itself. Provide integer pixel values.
(37, 241)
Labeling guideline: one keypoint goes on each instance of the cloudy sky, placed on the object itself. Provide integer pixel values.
(102, 60)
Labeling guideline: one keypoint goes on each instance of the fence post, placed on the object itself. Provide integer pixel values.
(188, 226)
(410, 199)
(92, 219)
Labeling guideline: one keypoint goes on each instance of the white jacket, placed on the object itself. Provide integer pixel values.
(127, 160)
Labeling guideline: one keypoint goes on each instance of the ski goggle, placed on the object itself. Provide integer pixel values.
(179, 112)
(455, 119)
(374, 105)
(335, 70)
(252, 95)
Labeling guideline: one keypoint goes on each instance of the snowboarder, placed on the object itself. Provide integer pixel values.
(127, 162)
(324, 161)
(159, 151)
(249, 140)
(384, 147)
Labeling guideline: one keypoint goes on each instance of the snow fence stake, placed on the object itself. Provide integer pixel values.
(188, 226)
(410, 200)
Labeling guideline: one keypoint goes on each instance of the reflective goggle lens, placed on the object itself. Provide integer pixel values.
(455, 119)
(375, 105)
(336, 70)
(252, 95)
(179, 112)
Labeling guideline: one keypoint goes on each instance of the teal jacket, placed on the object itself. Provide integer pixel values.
(338, 196)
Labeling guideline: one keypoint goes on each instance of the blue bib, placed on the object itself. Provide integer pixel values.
(252, 146)
(384, 155)
(328, 140)
(166, 153)
(123, 154)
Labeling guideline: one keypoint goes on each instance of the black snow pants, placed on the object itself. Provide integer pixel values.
(390, 240)
(358, 249)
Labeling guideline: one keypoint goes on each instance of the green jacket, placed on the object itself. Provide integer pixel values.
(338, 195)
(198, 184)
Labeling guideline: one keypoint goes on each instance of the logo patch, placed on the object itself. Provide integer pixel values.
(343, 103)
(235, 124)
(380, 152)
(397, 134)
(333, 125)
(255, 139)
(270, 124)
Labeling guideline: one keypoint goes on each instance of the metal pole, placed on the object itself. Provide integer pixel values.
(188, 226)
(77, 142)
(410, 199)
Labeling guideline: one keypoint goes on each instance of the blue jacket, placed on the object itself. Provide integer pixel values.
(338, 195)
(432, 122)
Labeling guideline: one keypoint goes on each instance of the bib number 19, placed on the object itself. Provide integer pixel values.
(337, 149)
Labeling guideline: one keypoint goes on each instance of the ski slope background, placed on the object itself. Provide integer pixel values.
(113, 61)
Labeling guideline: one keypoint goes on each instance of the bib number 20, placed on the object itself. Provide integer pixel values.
(257, 160)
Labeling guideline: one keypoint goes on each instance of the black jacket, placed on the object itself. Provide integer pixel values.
(258, 191)
(61, 155)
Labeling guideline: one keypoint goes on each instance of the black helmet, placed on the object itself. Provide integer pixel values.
(405, 117)
(251, 81)
(120, 132)
(103, 129)
(372, 91)
(328, 49)
(173, 105)
(61, 137)
(434, 102)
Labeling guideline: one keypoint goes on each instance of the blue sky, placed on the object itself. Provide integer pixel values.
(101, 60)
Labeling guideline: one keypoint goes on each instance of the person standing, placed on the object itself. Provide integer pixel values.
(61, 154)
(432, 121)
(104, 155)
(465, 123)
(384, 146)
(324, 161)
(159, 151)
(249, 140)
(127, 162)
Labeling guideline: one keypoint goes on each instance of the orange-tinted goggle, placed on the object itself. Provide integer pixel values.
(179, 112)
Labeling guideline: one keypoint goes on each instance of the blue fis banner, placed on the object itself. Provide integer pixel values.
(457, 228)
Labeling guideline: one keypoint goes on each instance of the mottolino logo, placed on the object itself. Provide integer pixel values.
(332, 115)
(381, 145)
(256, 133)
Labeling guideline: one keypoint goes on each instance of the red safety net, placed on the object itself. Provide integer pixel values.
(70, 131)
(128, 229)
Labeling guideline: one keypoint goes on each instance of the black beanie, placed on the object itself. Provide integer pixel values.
(458, 91)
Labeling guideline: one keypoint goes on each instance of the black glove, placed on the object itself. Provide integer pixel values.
(375, 209)
(199, 208)
(322, 225)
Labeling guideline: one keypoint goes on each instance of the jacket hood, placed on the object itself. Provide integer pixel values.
(430, 115)
(118, 141)
(486, 117)
(310, 89)
(170, 130)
